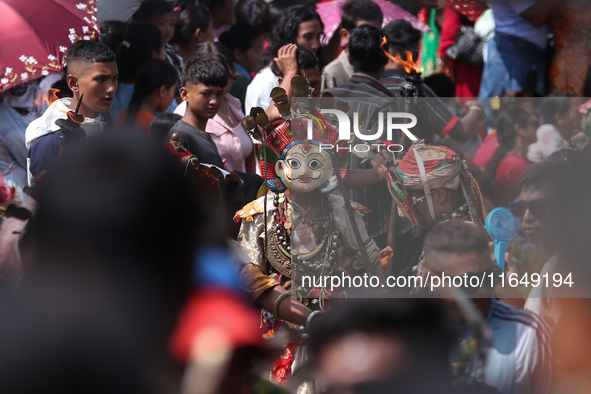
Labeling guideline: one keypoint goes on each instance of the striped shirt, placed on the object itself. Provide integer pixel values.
(433, 116)
(519, 359)
(366, 96)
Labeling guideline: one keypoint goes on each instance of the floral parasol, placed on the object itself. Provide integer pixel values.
(36, 35)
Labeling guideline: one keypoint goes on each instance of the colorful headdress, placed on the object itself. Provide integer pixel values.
(294, 132)
(427, 167)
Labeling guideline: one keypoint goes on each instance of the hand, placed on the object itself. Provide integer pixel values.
(386, 255)
(286, 60)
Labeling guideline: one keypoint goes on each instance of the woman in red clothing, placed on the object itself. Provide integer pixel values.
(516, 131)
(460, 13)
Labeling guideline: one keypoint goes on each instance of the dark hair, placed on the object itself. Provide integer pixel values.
(161, 125)
(547, 172)
(360, 10)
(506, 140)
(305, 58)
(456, 236)
(188, 21)
(240, 37)
(151, 76)
(112, 34)
(402, 37)
(441, 85)
(555, 106)
(421, 324)
(141, 40)
(205, 71)
(212, 4)
(286, 31)
(217, 51)
(364, 49)
(255, 13)
(117, 207)
(278, 8)
(149, 8)
(86, 51)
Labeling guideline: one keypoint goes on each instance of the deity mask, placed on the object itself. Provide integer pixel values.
(306, 168)
(291, 161)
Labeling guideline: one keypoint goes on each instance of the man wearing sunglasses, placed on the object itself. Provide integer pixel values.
(538, 187)
(518, 355)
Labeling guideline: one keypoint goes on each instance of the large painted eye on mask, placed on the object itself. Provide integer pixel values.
(314, 164)
(294, 163)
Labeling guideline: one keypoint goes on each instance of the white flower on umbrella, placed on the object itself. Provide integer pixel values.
(44, 72)
(88, 21)
(85, 28)
(86, 37)
(23, 58)
(4, 81)
(80, 6)
(72, 38)
(94, 9)
(51, 57)
(63, 49)
(72, 31)
(24, 75)
(93, 18)
(8, 70)
(32, 60)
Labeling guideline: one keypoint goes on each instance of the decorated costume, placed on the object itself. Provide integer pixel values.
(425, 168)
(315, 238)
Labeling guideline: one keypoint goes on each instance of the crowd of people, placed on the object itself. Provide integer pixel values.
(159, 209)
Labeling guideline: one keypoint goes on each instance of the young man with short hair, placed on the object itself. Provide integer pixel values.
(204, 80)
(355, 14)
(92, 72)
(519, 357)
(539, 187)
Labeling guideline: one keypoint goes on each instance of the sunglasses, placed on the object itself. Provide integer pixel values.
(536, 207)
(483, 279)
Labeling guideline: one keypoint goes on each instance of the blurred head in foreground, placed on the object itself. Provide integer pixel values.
(108, 267)
(362, 345)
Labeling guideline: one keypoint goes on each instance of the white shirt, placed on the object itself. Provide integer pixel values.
(258, 92)
(46, 124)
(519, 360)
(509, 21)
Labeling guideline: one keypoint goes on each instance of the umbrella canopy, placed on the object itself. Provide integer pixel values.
(117, 10)
(36, 35)
(330, 12)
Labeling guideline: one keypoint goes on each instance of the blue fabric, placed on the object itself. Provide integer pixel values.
(242, 71)
(509, 62)
(44, 153)
(13, 153)
(121, 99)
(214, 267)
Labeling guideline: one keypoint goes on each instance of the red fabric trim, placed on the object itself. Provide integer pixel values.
(452, 123)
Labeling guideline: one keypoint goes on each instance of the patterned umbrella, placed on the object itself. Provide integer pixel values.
(35, 36)
(330, 12)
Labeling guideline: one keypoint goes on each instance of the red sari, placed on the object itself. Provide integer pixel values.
(466, 76)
